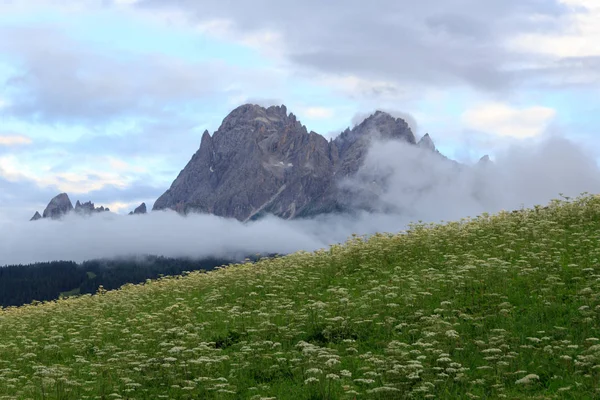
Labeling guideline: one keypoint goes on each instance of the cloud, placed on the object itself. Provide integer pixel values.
(19, 199)
(111, 182)
(160, 233)
(411, 184)
(359, 88)
(14, 140)
(60, 79)
(261, 101)
(318, 112)
(401, 45)
(579, 36)
(80, 180)
(504, 120)
(399, 179)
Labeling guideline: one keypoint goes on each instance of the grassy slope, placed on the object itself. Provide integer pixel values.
(463, 310)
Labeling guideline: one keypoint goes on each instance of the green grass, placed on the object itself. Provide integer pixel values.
(498, 306)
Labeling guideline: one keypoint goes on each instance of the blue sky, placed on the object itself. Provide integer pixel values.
(107, 100)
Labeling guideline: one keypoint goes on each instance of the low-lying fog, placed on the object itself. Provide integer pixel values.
(418, 185)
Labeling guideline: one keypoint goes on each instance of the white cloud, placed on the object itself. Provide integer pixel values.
(580, 36)
(64, 79)
(266, 41)
(120, 207)
(125, 2)
(120, 165)
(14, 140)
(504, 120)
(364, 89)
(79, 180)
(317, 112)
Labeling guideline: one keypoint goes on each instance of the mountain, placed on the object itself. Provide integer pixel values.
(484, 161)
(36, 216)
(263, 160)
(61, 205)
(58, 206)
(141, 209)
(427, 143)
(88, 208)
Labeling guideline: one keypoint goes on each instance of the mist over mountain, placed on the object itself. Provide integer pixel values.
(395, 183)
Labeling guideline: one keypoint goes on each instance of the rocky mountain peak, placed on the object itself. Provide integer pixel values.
(257, 156)
(88, 207)
(385, 126)
(485, 160)
(61, 205)
(263, 160)
(427, 143)
(379, 125)
(58, 206)
(352, 144)
(141, 209)
(252, 115)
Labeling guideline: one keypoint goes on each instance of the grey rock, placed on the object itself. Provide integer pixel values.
(258, 161)
(427, 143)
(264, 161)
(61, 205)
(88, 208)
(141, 209)
(484, 161)
(58, 206)
(352, 145)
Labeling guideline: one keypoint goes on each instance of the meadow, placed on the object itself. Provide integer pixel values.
(494, 306)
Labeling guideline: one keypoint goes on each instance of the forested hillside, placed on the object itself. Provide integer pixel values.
(22, 284)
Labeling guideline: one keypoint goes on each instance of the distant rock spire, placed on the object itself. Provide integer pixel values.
(426, 143)
(36, 216)
(141, 209)
(61, 205)
(58, 206)
(485, 160)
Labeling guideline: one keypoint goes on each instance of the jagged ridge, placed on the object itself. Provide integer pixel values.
(263, 160)
(61, 205)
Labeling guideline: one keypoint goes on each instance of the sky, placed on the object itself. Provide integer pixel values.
(107, 99)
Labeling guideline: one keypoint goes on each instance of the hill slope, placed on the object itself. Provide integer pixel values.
(499, 306)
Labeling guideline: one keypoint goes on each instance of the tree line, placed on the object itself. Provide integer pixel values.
(23, 284)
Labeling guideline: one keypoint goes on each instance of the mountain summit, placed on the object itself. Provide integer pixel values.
(263, 160)
(427, 143)
(58, 206)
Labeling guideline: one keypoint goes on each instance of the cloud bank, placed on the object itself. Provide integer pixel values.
(410, 184)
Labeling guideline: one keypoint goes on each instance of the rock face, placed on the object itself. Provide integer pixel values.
(61, 205)
(141, 209)
(88, 208)
(36, 216)
(58, 206)
(265, 161)
(427, 143)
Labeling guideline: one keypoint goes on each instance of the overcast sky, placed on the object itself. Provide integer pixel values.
(107, 99)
